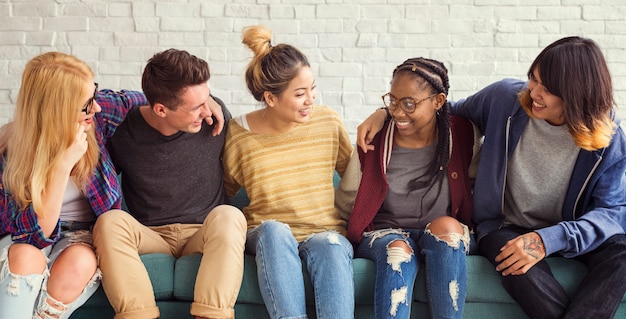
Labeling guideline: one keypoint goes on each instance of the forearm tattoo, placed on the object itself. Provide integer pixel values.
(533, 247)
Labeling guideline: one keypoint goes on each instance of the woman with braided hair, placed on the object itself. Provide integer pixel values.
(410, 198)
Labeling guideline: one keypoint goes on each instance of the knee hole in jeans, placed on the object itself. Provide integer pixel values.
(398, 252)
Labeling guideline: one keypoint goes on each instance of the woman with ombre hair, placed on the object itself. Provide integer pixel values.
(56, 178)
(551, 180)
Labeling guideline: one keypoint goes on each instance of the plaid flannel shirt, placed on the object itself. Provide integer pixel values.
(102, 191)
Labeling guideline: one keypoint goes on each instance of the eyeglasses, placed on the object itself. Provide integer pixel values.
(408, 104)
(89, 105)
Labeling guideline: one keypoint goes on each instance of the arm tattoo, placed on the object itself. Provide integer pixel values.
(533, 247)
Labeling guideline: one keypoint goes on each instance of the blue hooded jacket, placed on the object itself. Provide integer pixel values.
(595, 203)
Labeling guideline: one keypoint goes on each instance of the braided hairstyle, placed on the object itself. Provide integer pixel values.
(432, 75)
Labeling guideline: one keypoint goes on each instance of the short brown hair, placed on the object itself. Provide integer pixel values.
(169, 73)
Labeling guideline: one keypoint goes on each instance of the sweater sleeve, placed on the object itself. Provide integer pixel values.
(348, 187)
(230, 161)
(345, 149)
(490, 100)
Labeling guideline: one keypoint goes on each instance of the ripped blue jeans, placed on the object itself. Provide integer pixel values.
(26, 297)
(445, 266)
(279, 258)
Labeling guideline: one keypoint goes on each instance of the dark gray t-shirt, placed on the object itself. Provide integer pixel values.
(169, 179)
(409, 209)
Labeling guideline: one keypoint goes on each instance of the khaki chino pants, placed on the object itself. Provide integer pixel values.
(120, 239)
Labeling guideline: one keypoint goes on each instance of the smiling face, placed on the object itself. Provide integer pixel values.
(546, 106)
(87, 119)
(293, 105)
(421, 123)
(189, 115)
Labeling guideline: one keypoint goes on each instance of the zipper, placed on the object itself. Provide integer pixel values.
(506, 166)
(580, 193)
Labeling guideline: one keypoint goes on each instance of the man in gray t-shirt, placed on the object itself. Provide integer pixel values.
(169, 157)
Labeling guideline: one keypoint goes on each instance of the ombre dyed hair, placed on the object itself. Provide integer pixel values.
(574, 69)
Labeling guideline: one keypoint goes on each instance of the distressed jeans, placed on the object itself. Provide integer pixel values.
(445, 267)
(327, 257)
(541, 296)
(22, 296)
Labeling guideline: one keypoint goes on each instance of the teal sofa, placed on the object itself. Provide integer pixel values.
(173, 282)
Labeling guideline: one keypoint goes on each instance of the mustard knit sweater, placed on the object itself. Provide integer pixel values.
(289, 176)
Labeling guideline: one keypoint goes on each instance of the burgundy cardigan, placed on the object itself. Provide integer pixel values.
(373, 188)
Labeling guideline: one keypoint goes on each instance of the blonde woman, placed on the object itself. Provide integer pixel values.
(56, 179)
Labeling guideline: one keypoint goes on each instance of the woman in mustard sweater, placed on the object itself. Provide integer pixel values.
(285, 156)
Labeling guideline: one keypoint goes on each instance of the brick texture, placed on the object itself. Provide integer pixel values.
(353, 45)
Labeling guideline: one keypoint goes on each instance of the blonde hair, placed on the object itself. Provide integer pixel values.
(272, 67)
(44, 126)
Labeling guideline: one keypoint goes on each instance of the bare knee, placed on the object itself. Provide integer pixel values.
(77, 261)
(71, 272)
(398, 252)
(449, 230)
(401, 244)
(443, 227)
(25, 259)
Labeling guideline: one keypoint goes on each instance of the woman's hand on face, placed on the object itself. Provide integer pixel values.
(77, 149)
(369, 128)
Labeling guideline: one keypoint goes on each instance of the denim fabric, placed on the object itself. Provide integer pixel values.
(446, 277)
(18, 294)
(445, 266)
(5, 240)
(327, 257)
(541, 296)
(22, 296)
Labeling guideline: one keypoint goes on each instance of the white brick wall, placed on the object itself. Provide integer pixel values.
(353, 45)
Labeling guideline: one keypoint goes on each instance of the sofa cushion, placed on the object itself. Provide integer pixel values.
(481, 273)
(160, 268)
(186, 269)
(161, 271)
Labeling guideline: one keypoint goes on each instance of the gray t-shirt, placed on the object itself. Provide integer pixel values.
(169, 179)
(410, 209)
(538, 174)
